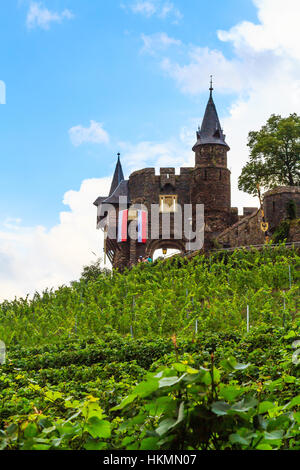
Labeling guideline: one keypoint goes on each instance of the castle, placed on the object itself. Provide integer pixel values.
(207, 183)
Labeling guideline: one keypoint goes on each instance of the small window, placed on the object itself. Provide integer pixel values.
(132, 214)
(220, 175)
(274, 206)
(168, 203)
(205, 175)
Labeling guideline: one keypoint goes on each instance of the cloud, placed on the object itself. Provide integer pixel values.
(155, 154)
(33, 258)
(158, 42)
(146, 8)
(192, 77)
(39, 16)
(277, 32)
(160, 9)
(94, 134)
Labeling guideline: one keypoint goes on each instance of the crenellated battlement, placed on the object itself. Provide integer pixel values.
(143, 172)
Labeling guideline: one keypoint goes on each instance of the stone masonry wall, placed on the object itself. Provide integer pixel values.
(275, 204)
(244, 233)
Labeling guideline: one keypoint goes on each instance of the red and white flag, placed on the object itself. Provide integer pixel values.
(122, 226)
(142, 226)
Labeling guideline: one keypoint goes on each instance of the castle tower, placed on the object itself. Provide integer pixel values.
(211, 185)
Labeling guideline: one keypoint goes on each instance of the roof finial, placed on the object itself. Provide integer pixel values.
(118, 155)
(211, 85)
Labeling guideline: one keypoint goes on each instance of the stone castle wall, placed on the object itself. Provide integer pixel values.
(248, 230)
(276, 201)
(244, 233)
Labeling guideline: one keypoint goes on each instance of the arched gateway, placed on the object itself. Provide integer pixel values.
(164, 245)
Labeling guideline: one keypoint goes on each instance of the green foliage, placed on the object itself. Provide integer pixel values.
(94, 271)
(282, 232)
(274, 155)
(205, 409)
(158, 299)
(197, 396)
(75, 378)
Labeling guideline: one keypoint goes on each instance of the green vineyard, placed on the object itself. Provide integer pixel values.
(186, 355)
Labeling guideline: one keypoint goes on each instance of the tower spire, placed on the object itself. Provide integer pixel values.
(211, 86)
(211, 131)
(118, 176)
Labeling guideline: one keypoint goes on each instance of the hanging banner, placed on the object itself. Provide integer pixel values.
(122, 226)
(142, 226)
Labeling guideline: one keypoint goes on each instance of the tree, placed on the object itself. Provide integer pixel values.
(94, 271)
(274, 155)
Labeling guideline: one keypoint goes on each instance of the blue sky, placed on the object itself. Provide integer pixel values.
(86, 79)
(90, 67)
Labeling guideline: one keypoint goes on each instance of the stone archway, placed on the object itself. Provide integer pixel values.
(161, 244)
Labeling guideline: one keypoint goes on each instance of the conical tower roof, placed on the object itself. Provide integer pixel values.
(118, 176)
(211, 131)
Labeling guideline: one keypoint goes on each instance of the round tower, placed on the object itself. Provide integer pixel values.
(211, 182)
(276, 203)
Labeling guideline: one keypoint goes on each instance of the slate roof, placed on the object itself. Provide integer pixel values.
(121, 190)
(119, 187)
(211, 131)
(118, 176)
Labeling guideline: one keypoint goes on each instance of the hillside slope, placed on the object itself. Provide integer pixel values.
(162, 298)
(158, 358)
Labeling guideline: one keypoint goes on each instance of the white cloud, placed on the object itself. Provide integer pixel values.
(39, 16)
(33, 258)
(173, 153)
(94, 134)
(193, 77)
(158, 8)
(158, 42)
(278, 30)
(146, 8)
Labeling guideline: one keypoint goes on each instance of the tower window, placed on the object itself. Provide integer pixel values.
(220, 175)
(132, 214)
(205, 174)
(274, 206)
(168, 203)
